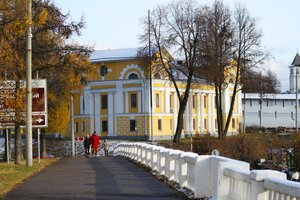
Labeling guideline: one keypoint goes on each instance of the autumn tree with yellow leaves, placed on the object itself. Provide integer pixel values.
(65, 65)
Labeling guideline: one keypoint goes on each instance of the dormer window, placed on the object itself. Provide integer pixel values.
(133, 76)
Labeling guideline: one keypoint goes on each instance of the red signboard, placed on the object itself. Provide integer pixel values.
(38, 100)
(39, 104)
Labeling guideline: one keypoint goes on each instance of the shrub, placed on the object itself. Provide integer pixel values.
(240, 147)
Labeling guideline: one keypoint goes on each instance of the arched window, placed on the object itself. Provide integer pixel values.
(133, 76)
(231, 80)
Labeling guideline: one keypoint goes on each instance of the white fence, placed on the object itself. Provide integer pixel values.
(212, 176)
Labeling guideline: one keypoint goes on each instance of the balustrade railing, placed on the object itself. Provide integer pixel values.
(212, 176)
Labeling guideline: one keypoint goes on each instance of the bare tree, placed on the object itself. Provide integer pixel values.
(173, 28)
(214, 42)
(266, 83)
(231, 45)
(216, 45)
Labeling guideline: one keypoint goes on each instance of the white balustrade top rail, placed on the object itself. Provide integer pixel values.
(212, 176)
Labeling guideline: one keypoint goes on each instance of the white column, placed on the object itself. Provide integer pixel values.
(126, 102)
(110, 113)
(213, 116)
(167, 99)
(162, 100)
(153, 100)
(87, 102)
(198, 117)
(239, 103)
(186, 118)
(139, 101)
(175, 111)
(225, 100)
(115, 112)
(209, 112)
(81, 104)
(146, 92)
(202, 112)
(93, 111)
(119, 100)
(97, 112)
(191, 114)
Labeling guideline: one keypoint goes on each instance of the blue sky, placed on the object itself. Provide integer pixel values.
(116, 24)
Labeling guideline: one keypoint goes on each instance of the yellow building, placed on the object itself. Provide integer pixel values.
(116, 102)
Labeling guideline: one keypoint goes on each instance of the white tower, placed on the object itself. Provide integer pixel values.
(294, 66)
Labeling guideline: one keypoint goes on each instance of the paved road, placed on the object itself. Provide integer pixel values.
(112, 178)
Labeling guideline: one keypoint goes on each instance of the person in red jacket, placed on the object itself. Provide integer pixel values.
(94, 141)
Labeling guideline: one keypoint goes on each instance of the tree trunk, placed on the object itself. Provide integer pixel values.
(179, 126)
(9, 143)
(218, 90)
(18, 135)
(221, 110)
(182, 107)
(218, 112)
(18, 145)
(233, 98)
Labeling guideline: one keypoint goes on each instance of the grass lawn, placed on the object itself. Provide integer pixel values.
(11, 175)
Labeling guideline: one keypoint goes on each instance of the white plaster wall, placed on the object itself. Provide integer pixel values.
(268, 113)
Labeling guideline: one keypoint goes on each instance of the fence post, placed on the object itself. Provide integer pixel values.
(257, 183)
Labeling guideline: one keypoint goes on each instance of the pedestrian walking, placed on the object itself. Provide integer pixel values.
(94, 141)
(105, 147)
(86, 144)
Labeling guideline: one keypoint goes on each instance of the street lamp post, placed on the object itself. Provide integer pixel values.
(260, 105)
(149, 62)
(29, 91)
(72, 126)
(296, 118)
(244, 72)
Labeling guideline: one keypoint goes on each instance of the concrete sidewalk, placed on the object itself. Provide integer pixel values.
(109, 178)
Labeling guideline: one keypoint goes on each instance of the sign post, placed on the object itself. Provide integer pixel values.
(39, 145)
(72, 127)
(7, 145)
